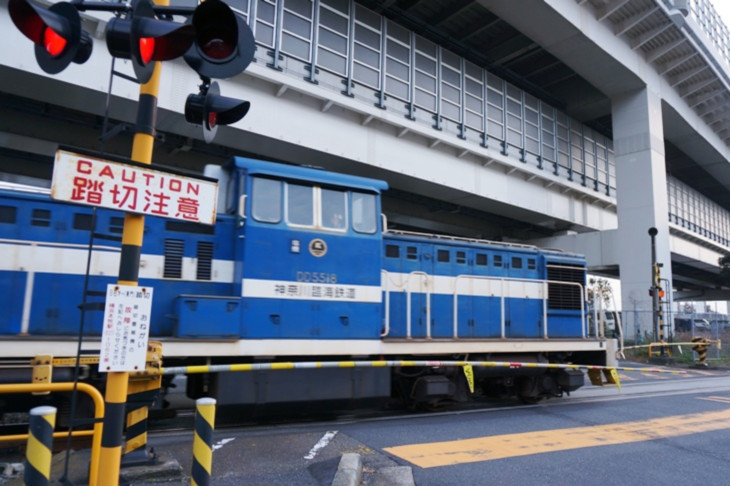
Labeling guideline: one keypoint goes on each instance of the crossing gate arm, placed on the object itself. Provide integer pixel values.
(289, 365)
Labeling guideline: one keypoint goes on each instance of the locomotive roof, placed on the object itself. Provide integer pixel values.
(309, 174)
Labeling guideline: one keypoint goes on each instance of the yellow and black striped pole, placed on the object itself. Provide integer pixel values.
(700, 347)
(203, 441)
(40, 443)
(117, 383)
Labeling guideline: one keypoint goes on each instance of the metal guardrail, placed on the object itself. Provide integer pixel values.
(67, 387)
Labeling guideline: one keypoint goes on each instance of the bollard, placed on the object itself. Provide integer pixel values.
(40, 441)
(203, 441)
(700, 347)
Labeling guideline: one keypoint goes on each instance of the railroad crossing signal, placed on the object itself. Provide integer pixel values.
(209, 109)
(56, 33)
(215, 41)
(224, 44)
(144, 39)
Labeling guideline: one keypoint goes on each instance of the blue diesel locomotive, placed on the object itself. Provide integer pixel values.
(300, 266)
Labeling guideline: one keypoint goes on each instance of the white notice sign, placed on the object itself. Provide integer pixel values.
(126, 328)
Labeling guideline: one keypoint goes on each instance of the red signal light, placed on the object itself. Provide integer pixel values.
(146, 48)
(55, 31)
(224, 44)
(209, 109)
(53, 42)
(217, 48)
(143, 39)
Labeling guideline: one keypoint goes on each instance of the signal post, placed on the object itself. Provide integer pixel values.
(132, 234)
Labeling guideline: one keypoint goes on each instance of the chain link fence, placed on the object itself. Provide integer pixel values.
(640, 330)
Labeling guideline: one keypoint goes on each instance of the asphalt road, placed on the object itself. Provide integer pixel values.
(659, 428)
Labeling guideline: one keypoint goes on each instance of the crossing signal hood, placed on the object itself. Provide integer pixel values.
(56, 33)
(209, 109)
(224, 44)
(144, 40)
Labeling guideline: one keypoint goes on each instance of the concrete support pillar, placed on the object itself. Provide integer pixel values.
(641, 185)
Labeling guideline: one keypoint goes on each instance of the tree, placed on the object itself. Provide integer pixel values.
(724, 263)
(601, 288)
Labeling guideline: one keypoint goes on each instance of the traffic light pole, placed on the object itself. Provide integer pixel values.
(118, 382)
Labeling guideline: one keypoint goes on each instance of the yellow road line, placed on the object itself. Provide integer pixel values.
(654, 376)
(512, 445)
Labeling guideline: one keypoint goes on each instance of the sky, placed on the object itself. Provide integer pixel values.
(722, 7)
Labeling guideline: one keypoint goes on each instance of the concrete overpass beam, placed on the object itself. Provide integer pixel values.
(642, 200)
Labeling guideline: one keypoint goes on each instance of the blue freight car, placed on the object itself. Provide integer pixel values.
(300, 265)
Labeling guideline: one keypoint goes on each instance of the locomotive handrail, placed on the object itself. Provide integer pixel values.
(19, 187)
(582, 301)
(60, 245)
(408, 305)
(386, 290)
(464, 239)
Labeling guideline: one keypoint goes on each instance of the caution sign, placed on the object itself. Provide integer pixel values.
(92, 181)
(126, 329)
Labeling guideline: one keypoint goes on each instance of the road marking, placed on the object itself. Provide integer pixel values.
(716, 399)
(489, 448)
(654, 376)
(222, 442)
(321, 444)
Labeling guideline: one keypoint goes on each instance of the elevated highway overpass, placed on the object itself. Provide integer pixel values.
(572, 124)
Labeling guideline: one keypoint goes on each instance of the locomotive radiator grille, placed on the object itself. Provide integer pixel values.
(173, 258)
(568, 295)
(205, 260)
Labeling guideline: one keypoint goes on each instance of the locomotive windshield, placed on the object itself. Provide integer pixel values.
(311, 206)
(266, 200)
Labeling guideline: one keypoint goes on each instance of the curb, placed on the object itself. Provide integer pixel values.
(349, 471)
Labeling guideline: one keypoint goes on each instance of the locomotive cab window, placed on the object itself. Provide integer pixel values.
(334, 209)
(315, 207)
(364, 217)
(299, 205)
(266, 200)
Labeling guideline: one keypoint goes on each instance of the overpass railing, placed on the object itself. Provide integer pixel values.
(709, 20)
(346, 48)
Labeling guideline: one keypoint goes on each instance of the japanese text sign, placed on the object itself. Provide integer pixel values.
(126, 329)
(115, 185)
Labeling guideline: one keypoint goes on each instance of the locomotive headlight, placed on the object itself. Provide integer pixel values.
(295, 246)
